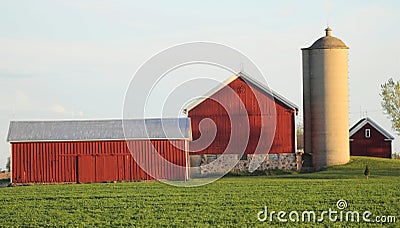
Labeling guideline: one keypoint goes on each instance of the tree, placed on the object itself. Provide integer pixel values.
(299, 128)
(366, 172)
(390, 93)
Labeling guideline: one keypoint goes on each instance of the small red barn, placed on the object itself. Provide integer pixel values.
(98, 150)
(245, 97)
(367, 138)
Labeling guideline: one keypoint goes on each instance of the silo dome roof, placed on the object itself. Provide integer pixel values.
(328, 42)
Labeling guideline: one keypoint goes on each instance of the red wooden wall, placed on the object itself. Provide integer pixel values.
(101, 161)
(283, 140)
(375, 146)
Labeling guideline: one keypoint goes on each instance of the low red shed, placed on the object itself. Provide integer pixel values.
(97, 150)
(367, 138)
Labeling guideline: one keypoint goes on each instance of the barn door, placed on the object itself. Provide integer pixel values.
(106, 168)
(85, 169)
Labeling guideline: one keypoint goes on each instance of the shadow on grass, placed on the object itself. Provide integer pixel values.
(4, 182)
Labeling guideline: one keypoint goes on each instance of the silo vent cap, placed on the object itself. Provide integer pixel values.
(328, 31)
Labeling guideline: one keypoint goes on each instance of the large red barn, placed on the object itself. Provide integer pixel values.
(97, 150)
(245, 97)
(367, 138)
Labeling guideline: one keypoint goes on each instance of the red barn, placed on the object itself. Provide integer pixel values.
(367, 138)
(97, 150)
(245, 98)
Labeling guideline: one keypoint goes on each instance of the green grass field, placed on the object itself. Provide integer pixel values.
(231, 201)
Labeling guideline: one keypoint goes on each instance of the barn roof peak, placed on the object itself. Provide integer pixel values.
(361, 123)
(248, 79)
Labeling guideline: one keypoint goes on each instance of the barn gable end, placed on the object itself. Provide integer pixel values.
(248, 90)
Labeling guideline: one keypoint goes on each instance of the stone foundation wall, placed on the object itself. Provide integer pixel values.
(271, 161)
(217, 164)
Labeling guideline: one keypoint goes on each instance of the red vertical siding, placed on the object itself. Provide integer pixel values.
(45, 162)
(258, 106)
(374, 146)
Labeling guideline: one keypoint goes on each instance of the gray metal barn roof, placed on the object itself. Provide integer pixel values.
(94, 130)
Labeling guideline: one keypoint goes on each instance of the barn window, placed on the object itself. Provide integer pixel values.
(367, 133)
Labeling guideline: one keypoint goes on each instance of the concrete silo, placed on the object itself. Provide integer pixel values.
(325, 100)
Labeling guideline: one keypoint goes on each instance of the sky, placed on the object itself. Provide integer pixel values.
(75, 59)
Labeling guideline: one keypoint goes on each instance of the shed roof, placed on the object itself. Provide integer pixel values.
(361, 123)
(99, 130)
(250, 80)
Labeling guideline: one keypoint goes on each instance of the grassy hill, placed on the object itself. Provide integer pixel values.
(231, 201)
(379, 168)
